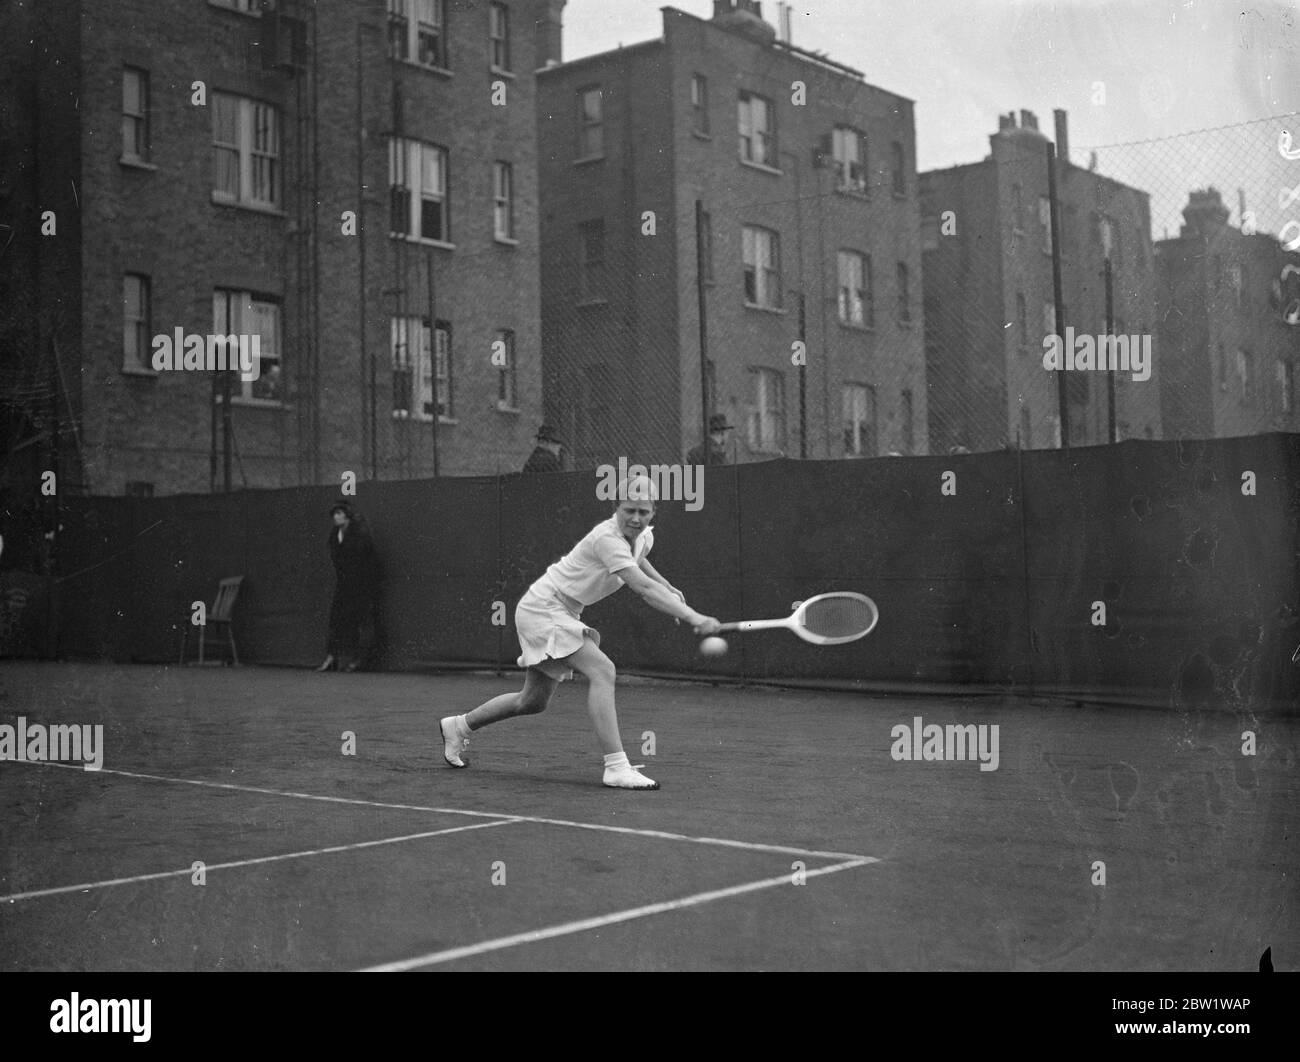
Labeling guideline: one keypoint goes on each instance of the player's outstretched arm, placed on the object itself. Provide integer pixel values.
(654, 574)
(658, 597)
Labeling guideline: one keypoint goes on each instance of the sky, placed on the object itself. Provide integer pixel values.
(1166, 68)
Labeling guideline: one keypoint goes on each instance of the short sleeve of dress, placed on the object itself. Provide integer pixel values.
(614, 553)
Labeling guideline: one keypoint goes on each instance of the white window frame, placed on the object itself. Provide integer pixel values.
(418, 374)
(235, 312)
(411, 164)
(405, 358)
(443, 385)
(849, 152)
(852, 268)
(408, 22)
(766, 420)
(135, 123)
(256, 148)
(857, 414)
(507, 375)
(761, 257)
(135, 323)
(591, 125)
(503, 201)
(758, 144)
(499, 36)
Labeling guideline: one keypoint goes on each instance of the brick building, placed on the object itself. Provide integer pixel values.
(1229, 322)
(806, 177)
(990, 300)
(352, 182)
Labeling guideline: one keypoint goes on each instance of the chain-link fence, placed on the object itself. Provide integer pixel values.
(1225, 208)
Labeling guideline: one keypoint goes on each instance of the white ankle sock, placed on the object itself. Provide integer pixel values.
(462, 726)
(616, 759)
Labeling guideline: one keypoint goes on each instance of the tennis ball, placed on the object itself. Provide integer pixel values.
(713, 646)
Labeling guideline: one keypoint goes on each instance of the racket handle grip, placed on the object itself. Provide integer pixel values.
(753, 625)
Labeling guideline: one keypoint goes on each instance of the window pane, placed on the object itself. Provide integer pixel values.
(431, 218)
(433, 172)
(132, 92)
(424, 362)
(225, 119)
(443, 367)
(264, 320)
(132, 296)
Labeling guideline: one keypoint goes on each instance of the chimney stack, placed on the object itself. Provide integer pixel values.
(549, 32)
(745, 16)
(1204, 212)
(1029, 120)
(1062, 135)
(1006, 121)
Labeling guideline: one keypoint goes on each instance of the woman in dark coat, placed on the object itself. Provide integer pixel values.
(355, 589)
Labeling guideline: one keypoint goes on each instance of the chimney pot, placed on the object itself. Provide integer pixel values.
(1028, 120)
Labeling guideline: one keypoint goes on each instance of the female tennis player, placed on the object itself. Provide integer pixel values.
(555, 641)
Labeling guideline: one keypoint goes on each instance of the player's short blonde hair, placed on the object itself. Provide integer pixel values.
(637, 488)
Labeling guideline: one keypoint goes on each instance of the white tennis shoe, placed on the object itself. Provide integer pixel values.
(452, 743)
(628, 776)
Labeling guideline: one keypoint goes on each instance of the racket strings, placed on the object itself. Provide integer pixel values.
(838, 617)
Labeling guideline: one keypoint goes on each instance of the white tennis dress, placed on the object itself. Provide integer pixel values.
(547, 618)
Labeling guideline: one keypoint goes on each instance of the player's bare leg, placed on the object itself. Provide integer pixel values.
(599, 669)
(533, 698)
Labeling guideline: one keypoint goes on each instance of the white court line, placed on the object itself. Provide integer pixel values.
(87, 886)
(752, 846)
(452, 954)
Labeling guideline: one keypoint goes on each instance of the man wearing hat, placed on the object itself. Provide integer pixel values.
(546, 455)
(717, 454)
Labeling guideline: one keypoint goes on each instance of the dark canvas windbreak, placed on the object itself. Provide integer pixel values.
(995, 586)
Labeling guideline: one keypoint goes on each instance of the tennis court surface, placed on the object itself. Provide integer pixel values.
(317, 860)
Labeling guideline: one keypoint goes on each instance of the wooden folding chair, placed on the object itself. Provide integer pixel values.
(220, 614)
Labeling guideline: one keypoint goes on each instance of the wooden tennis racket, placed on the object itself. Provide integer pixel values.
(827, 619)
